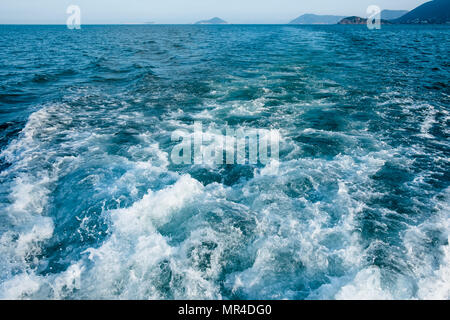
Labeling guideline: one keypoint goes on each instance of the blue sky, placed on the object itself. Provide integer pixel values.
(185, 11)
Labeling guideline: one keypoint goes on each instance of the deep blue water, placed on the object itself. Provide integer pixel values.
(92, 207)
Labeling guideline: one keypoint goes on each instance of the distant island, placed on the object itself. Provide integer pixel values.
(359, 20)
(212, 21)
(317, 19)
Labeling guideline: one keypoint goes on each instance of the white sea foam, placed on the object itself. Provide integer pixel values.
(428, 123)
(289, 231)
(365, 286)
(30, 226)
(433, 277)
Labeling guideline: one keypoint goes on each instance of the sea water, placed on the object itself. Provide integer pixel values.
(92, 207)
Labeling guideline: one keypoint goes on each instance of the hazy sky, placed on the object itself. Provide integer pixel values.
(185, 11)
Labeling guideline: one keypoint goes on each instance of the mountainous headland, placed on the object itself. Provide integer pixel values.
(392, 14)
(433, 12)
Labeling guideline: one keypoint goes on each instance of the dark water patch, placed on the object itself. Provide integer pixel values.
(318, 145)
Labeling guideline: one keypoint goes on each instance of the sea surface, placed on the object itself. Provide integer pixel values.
(92, 207)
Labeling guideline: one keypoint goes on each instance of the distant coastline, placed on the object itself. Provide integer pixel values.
(432, 12)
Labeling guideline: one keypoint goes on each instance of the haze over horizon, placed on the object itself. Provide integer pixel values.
(184, 12)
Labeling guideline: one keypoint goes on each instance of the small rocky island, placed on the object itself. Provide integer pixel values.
(359, 20)
(212, 21)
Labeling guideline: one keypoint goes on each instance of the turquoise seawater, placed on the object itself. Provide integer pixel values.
(91, 205)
